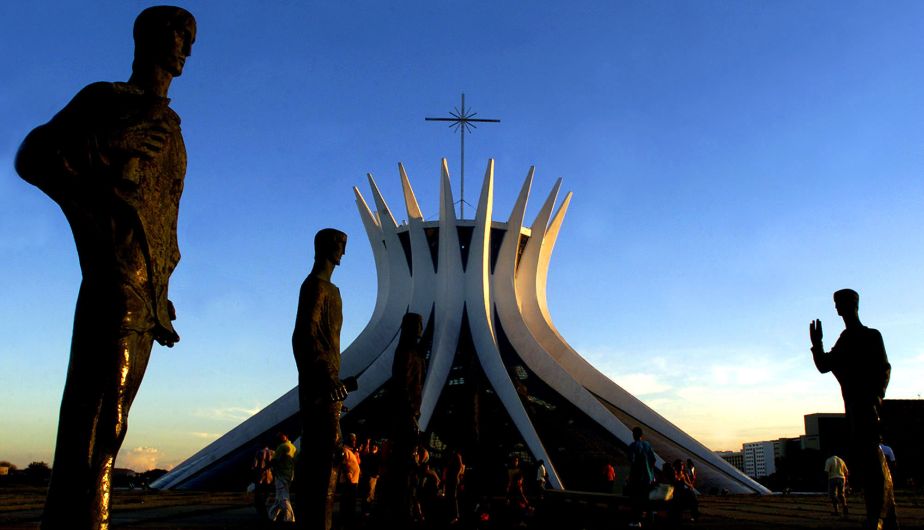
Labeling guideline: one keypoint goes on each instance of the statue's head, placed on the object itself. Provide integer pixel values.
(412, 325)
(164, 36)
(330, 244)
(846, 301)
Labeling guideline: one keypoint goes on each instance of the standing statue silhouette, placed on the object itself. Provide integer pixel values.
(405, 392)
(316, 346)
(114, 160)
(859, 363)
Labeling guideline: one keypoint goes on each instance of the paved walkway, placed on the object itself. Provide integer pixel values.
(21, 508)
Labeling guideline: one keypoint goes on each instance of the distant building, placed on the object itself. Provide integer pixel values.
(826, 432)
(759, 459)
(786, 446)
(735, 458)
(797, 462)
(903, 430)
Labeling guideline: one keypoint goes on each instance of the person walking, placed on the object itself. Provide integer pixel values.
(262, 469)
(284, 472)
(641, 474)
(542, 476)
(452, 482)
(350, 485)
(837, 482)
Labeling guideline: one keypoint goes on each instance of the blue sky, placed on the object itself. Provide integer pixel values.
(732, 163)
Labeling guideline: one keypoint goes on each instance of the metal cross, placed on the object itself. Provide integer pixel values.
(463, 120)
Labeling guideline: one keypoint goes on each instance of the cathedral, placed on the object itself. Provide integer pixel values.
(501, 381)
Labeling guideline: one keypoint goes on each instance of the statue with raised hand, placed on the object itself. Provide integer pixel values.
(316, 346)
(859, 362)
(114, 160)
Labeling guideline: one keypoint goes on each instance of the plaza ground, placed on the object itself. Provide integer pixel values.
(20, 508)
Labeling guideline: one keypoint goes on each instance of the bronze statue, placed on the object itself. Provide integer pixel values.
(408, 371)
(859, 363)
(316, 346)
(114, 161)
(405, 392)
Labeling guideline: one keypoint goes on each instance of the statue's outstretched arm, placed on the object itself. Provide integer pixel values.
(822, 359)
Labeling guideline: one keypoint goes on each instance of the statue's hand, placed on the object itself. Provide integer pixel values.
(143, 139)
(337, 390)
(350, 383)
(167, 337)
(815, 333)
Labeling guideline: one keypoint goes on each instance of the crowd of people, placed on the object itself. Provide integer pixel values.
(434, 489)
(673, 486)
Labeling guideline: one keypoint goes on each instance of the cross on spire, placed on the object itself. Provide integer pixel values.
(463, 120)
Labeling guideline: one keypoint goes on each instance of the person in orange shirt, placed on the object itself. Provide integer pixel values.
(350, 485)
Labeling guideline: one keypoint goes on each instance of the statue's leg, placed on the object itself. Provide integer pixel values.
(104, 373)
(889, 518)
(873, 485)
(334, 453)
(303, 468)
(396, 502)
(319, 465)
(863, 421)
(72, 491)
(132, 350)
